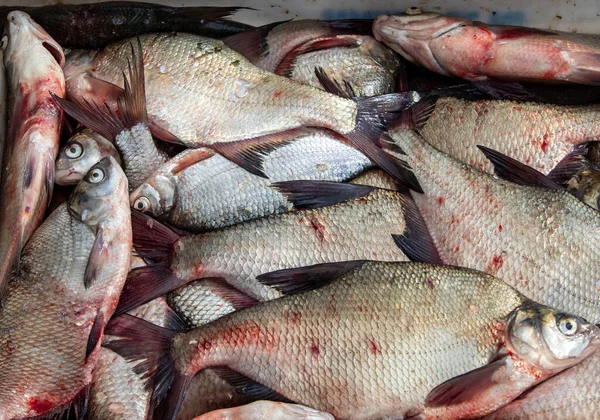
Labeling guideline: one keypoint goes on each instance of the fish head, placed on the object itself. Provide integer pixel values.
(102, 189)
(155, 196)
(409, 34)
(21, 30)
(549, 339)
(586, 185)
(79, 154)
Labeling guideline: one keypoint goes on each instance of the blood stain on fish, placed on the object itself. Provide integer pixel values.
(440, 200)
(314, 349)
(429, 283)
(294, 317)
(318, 228)
(544, 144)
(495, 265)
(499, 228)
(374, 348)
(39, 406)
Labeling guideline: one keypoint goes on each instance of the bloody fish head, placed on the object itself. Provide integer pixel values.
(22, 30)
(550, 340)
(410, 34)
(155, 196)
(98, 192)
(79, 154)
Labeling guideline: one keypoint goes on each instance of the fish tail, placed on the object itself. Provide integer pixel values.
(155, 241)
(140, 340)
(372, 117)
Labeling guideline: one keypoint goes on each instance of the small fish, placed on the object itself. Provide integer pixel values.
(33, 134)
(333, 222)
(396, 339)
(191, 103)
(572, 394)
(97, 25)
(267, 409)
(129, 129)
(199, 190)
(72, 271)
(478, 51)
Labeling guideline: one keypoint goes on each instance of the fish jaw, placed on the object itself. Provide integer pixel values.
(410, 36)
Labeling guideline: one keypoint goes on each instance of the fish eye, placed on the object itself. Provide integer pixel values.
(74, 150)
(141, 204)
(4, 42)
(568, 325)
(96, 175)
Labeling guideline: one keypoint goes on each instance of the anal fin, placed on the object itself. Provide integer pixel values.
(316, 194)
(237, 298)
(95, 333)
(248, 387)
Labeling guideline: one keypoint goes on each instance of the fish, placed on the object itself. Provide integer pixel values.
(116, 391)
(332, 222)
(269, 45)
(128, 129)
(82, 151)
(477, 51)
(97, 25)
(536, 237)
(267, 409)
(572, 394)
(368, 66)
(367, 339)
(34, 124)
(192, 103)
(200, 190)
(543, 136)
(72, 271)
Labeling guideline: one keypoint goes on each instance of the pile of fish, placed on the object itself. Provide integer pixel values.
(348, 219)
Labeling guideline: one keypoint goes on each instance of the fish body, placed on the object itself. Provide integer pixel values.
(267, 409)
(213, 192)
(72, 271)
(97, 25)
(369, 352)
(572, 394)
(33, 135)
(368, 66)
(539, 135)
(477, 51)
(538, 240)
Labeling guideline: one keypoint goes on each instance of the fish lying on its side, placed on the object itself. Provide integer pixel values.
(129, 129)
(334, 222)
(383, 339)
(34, 127)
(572, 394)
(267, 410)
(72, 271)
(199, 92)
(98, 24)
(477, 51)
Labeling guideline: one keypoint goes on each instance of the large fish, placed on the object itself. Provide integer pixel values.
(572, 394)
(477, 51)
(365, 222)
(96, 25)
(200, 92)
(539, 240)
(383, 339)
(199, 190)
(72, 271)
(33, 135)
(128, 130)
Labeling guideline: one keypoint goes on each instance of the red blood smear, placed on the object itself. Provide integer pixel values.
(373, 347)
(440, 200)
(318, 228)
(517, 32)
(40, 406)
(544, 145)
(314, 349)
(277, 94)
(429, 283)
(499, 228)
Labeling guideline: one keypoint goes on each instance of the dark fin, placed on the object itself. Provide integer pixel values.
(132, 108)
(95, 334)
(95, 260)
(140, 340)
(152, 239)
(101, 119)
(172, 320)
(373, 113)
(248, 387)
(286, 65)
(303, 279)
(416, 242)
(420, 113)
(169, 407)
(569, 166)
(514, 171)
(468, 387)
(205, 13)
(146, 283)
(111, 91)
(505, 90)
(249, 154)
(49, 177)
(252, 44)
(352, 26)
(317, 194)
(237, 298)
(30, 167)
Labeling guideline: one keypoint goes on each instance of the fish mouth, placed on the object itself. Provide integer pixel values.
(21, 22)
(67, 177)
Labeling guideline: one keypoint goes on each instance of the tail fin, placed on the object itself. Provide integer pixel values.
(152, 239)
(373, 114)
(140, 340)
